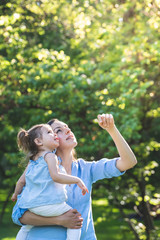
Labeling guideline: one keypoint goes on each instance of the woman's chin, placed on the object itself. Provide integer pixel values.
(72, 144)
(69, 145)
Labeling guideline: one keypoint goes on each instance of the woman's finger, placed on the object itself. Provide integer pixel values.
(111, 119)
(107, 119)
(103, 118)
(99, 118)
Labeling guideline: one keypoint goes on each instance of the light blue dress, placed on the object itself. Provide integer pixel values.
(40, 188)
(89, 172)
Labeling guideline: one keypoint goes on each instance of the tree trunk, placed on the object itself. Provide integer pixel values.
(131, 225)
(145, 209)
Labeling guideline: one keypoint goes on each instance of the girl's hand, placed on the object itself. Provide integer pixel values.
(14, 197)
(82, 186)
(106, 121)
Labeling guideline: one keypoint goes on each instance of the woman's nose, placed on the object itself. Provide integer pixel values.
(68, 130)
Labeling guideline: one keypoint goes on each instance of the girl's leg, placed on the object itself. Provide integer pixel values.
(51, 210)
(23, 232)
(73, 234)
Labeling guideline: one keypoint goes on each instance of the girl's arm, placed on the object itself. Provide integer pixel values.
(19, 185)
(58, 177)
(127, 158)
(70, 219)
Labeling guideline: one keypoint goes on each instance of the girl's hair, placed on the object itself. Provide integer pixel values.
(26, 143)
(74, 154)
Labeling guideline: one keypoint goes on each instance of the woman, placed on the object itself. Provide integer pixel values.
(89, 172)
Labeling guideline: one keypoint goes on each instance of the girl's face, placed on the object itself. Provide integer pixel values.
(67, 139)
(49, 139)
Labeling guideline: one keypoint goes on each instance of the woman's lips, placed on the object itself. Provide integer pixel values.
(70, 137)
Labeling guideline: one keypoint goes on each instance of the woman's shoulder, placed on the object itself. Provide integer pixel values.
(83, 162)
(89, 164)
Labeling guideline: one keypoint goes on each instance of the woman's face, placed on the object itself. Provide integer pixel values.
(67, 139)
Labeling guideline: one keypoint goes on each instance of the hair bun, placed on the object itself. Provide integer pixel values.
(26, 133)
(22, 139)
(23, 133)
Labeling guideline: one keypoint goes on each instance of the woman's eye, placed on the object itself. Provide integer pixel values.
(59, 130)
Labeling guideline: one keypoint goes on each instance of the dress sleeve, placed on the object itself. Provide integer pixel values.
(17, 213)
(104, 168)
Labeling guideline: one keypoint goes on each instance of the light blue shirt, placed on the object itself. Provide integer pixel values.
(40, 188)
(89, 172)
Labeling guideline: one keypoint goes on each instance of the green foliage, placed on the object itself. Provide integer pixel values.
(73, 60)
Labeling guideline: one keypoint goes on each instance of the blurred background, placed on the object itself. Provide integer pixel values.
(72, 60)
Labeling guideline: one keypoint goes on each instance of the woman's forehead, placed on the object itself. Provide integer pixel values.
(58, 124)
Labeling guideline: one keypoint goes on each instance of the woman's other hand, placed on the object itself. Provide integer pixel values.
(71, 219)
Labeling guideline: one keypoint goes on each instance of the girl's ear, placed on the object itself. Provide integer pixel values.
(38, 141)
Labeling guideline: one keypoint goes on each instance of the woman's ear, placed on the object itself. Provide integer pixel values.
(38, 141)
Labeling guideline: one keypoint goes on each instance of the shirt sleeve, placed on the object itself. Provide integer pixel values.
(104, 168)
(17, 213)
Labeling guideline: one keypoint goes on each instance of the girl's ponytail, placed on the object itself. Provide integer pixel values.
(23, 140)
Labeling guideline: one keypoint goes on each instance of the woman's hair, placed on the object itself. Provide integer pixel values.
(74, 154)
(52, 121)
(26, 143)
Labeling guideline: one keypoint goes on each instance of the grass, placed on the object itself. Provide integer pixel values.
(8, 230)
(108, 223)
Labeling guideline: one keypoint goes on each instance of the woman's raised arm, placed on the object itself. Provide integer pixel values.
(127, 158)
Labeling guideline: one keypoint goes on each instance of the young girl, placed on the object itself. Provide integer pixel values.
(44, 193)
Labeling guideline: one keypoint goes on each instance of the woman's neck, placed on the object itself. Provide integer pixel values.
(67, 159)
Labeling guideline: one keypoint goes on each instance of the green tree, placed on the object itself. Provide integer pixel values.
(73, 60)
